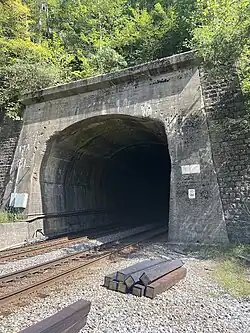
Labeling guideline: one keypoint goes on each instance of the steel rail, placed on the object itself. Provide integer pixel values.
(10, 277)
(21, 251)
(28, 250)
(138, 238)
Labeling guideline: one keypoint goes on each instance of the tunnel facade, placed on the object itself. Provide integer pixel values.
(133, 145)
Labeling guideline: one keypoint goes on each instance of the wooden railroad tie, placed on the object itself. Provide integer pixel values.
(147, 278)
(121, 275)
(128, 276)
(69, 320)
(153, 273)
(113, 285)
(122, 288)
(165, 282)
(108, 279)
(138, 290)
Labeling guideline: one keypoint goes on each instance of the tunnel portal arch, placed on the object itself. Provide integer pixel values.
(90, 120)
(117, 165)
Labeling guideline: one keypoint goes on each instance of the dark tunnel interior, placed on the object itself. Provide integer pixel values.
(115, 164)
(136, 184)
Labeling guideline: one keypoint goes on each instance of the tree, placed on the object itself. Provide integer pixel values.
(107, 60)
(145, 34)
(221, 31)
(59, 40)
(24, 65)
(14, 19)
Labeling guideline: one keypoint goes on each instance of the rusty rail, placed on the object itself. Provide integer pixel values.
(85, 259)
(21, 251)
(42, 247)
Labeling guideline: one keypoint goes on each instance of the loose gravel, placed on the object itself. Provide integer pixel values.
(14, 266)
(196, 304)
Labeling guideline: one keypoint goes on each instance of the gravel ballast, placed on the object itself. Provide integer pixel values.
(11, 267)
(196, 304)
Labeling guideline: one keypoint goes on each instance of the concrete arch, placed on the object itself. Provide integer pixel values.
(116, 164)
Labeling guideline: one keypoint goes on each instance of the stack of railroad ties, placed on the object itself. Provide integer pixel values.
(147, 278)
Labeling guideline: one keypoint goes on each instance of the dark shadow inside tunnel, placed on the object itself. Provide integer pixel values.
(106, 169)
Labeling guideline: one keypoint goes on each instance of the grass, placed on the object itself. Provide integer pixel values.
(221, 252)
(229, 272)
(228, 252)
(7, 217)
(231, 275)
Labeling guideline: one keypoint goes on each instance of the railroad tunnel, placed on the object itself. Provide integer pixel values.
(115, 166)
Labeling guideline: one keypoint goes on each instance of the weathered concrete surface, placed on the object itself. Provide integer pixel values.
(68, 129)
(18, 233)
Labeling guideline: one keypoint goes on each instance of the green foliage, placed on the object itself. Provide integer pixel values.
(107, 60)
(14, 19)
(45, 43)
(228, 270)
(221, 36)
(21, 77)
(24, 65)
(221, 31)
(13, 49)
(8, 217)
(146, 34)
(244, 65)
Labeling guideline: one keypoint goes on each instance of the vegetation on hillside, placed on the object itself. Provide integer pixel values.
(45, 42)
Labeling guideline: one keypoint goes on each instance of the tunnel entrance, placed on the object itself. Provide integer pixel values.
(117, 167)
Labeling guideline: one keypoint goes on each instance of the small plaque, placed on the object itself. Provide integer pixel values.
(195, 168)
(190, 168)
(185, 169)
(191, 193)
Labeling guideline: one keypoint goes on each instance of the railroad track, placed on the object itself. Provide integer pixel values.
(27, 251)
(19, 284)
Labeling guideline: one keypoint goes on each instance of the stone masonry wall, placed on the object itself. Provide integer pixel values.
(9, 134)
(229, 130)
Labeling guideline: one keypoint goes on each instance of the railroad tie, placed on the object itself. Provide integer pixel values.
(123, 274)
(138, 290)
(71, 319)
(165, 282)
(108, 279)
(152, 278)
(155, 272)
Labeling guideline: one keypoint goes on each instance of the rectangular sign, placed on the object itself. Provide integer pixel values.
(190, 168)
(195, 168)
(191, 193)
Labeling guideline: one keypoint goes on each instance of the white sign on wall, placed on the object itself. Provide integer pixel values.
(190, 168)
(18, 200)
(191, 193)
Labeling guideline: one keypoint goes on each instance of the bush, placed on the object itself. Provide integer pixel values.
(24, 67)
(7, 217)
(22, 77)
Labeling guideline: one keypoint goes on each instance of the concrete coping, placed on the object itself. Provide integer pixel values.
(103, 81)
